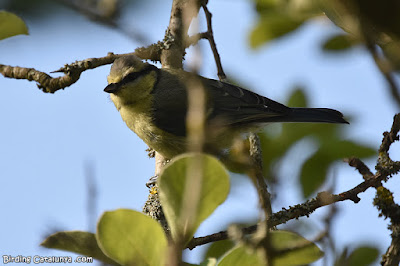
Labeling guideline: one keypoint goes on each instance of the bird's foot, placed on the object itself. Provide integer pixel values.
(152, 181)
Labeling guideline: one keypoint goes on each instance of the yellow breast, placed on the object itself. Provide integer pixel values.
(142, 124)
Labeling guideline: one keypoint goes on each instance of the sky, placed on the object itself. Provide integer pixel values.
(49, 141)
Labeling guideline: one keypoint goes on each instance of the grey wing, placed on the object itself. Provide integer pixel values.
(227, 105)
(233, 105)
(170, 104)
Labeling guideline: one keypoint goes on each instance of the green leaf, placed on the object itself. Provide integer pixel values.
(338, 43)
(346, 148)
(314, 170)
(189, 264)
(131, 238)
(218, 248)
(297, 98)
(289, 248)
(11, 25)
(266, 5)
(83, 243)
(341, 259)
(209, 262)
(341, 13)
(272, 26)
(363, 255)
(241, 256)
(213, 188)
(293, 249)
(391, 49)
(305, 8)
(380, 18)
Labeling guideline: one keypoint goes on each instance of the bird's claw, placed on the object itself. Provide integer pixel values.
(152, 181)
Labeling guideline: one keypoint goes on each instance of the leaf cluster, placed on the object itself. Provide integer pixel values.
(363, 22)
(128, 237)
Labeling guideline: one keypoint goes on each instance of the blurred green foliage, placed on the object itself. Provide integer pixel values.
(330, 147)
(363, 255)
(361, 20)
(34, 9)
(79, 242)
(128, 237)
(288, 249)
(97, 10)
(278, 18)
(339, 42)
(241, 255)
(11, 25)
(218, 249)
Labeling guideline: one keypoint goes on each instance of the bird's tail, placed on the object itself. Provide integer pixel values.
(321, 115)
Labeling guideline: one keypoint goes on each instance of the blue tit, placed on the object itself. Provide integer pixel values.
(153, 103)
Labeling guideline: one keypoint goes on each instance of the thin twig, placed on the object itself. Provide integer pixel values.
(194, 39)
(210, 37)
(92, 195)
(392, 136)
(360, 166)
(256, 155)
(385, 68)
(105, 16)
(261, 238)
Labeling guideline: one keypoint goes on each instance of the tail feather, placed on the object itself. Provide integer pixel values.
(317, 115)
(321, 115)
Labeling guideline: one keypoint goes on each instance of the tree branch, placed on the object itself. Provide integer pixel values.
(325, 198)
(295, 212)
(72, 72)
(384, 201)
(182, 13)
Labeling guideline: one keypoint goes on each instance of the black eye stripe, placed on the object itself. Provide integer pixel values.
(132, 76)
(114, 87)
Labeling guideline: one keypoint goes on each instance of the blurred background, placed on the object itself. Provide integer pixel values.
(67, 157)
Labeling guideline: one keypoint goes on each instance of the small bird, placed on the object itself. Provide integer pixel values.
(153, 103)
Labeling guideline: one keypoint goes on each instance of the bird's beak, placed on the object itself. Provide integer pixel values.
(112, 88)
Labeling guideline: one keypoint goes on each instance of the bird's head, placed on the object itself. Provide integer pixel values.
(130, 80)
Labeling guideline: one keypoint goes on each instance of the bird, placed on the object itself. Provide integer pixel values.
(153, 103)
